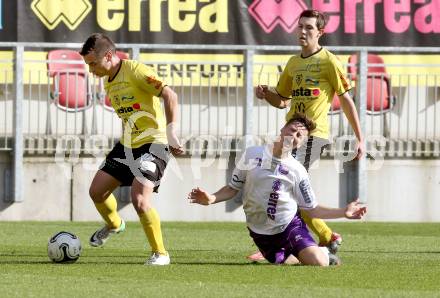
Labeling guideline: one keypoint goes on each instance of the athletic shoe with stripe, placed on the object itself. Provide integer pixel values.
(334, 260)
(102, 235)
(157, 259)
(334, 243)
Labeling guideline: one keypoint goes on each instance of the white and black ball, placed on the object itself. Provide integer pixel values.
(64, 247)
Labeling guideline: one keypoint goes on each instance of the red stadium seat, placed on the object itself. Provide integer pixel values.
(378, 68)
(105, 100)
(70, 80)
(379, 97)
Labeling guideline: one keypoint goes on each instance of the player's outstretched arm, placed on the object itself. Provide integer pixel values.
(200, 196)
(354, 210)
(273, 98)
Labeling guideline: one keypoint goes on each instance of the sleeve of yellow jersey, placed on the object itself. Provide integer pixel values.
(146, 78)
(284, 86)
(337, 77)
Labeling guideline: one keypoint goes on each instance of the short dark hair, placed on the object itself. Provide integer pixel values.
(300, 117)
(321, 18)
(98, 42)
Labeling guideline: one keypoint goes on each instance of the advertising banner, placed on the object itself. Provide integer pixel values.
(240, 22)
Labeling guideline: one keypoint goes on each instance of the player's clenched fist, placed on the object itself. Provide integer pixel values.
(261, 91)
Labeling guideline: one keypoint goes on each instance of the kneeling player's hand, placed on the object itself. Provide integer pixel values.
(355, 210)
(199, 196)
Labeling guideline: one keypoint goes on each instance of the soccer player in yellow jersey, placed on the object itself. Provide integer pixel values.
(308, 84)
(140, 158)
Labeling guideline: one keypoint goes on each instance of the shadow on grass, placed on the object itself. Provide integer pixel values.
(128, 263)
(221, 263)
(61, 264)
(390, 252)
(123, 261)
(86, 256)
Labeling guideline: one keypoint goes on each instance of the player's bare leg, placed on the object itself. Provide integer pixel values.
(313, 255)
(292, 260)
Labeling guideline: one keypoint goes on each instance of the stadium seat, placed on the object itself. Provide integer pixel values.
(104, 99)
(379, 97)
(70, 88)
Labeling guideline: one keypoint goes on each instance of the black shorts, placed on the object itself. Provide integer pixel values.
(148, 161)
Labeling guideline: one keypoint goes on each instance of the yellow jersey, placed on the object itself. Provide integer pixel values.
(134, 93)
(311, 83)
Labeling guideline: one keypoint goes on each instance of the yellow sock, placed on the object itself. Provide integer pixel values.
(319, 227)
(151, 223)
(109, 212)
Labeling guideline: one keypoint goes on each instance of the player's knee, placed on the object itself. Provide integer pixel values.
(140, 202)
(95, 193)
(318, 259)
(322, 260)
(313, 256)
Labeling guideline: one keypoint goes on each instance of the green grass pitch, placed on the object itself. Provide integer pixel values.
(208, 260)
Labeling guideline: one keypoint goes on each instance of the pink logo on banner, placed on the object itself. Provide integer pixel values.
(270, 13)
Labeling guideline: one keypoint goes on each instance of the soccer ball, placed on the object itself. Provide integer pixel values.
(64, 247)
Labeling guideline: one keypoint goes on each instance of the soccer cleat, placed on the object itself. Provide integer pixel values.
(334, 260)
(102, 235)
(158, 259)
(334, 243)
(256, 256)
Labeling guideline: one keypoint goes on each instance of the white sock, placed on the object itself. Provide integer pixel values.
(326, 252)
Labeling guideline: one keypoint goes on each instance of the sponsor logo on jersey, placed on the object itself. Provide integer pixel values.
(298, 79)
(306, 191)
(235, 179)
(283, 170)
(313, 66)
(116, 100)
(124, 110)
(127, 98)
(312, 81)
(273, 199)
(147, 164)
(306, 92)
